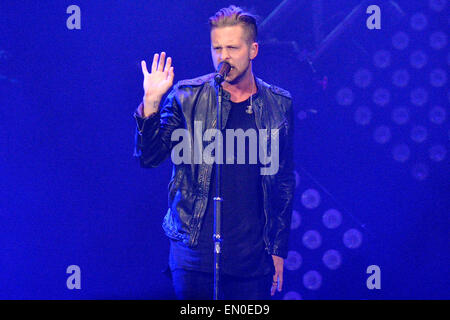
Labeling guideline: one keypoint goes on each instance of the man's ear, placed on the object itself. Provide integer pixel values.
(254, 50)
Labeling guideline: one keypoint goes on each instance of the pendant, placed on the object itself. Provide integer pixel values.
(249, 109)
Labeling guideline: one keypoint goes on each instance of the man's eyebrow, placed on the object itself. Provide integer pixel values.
(228, 45)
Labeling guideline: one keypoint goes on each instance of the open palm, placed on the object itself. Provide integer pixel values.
(159, 81)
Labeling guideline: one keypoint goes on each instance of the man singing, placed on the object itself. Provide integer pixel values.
(257, 206)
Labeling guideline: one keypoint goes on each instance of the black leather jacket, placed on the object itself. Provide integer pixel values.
(195, 100)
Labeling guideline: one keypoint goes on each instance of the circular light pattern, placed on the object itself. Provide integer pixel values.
(400, 115)
(381, 96)
(352, 238)
(437, 5)
(437, 115)
(310, 198)
(420, 171)
(362, 78)
(400, 78)
(401, 153)
(419, 134)
(296, 220)
(418, 59)
(400, 40)
(312, 280)
(418, 21)
(438, 40)
(437, 153)
(312, 239)
(382, 134)
(332, 218)
(382, 59)
(332, 259)
(344, 97)
(438, 78)
(363, 115)
(419, 96)
(293, 261)
(292, 295)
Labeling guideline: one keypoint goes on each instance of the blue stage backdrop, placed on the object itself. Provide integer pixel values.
(371, 144)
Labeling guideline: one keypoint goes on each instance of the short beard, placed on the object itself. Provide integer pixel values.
(241, 76)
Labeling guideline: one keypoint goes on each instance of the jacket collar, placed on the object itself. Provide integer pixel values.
(260, 84)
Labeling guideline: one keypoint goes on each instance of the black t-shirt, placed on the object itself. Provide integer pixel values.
(243, 219)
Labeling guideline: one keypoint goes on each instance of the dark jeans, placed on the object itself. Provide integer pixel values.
(196, 285)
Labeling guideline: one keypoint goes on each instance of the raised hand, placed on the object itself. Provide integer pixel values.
(156, 83)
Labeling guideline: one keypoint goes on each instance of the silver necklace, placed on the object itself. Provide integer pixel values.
(249, 109)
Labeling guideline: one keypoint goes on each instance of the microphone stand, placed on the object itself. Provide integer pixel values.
(217, 237)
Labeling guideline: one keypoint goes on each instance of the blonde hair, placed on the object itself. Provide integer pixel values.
(233, 16)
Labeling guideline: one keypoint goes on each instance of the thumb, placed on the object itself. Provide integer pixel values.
(144, 67)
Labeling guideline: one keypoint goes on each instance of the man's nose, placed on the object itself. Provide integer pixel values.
(225, 55)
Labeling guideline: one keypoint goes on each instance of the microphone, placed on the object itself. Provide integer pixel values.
(223, 69)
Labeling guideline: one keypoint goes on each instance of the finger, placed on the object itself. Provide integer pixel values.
(273, 288)
(161, 61)
(171, 74)
(155, 62)
(144, 67)
(280, 282)
(168, 64)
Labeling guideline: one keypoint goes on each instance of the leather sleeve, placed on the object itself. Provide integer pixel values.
(284, 192)
(153, 134)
